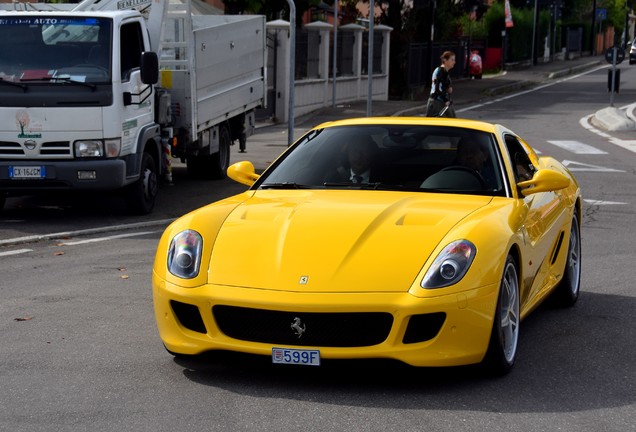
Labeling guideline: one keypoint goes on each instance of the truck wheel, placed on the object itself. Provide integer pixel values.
(212, 166)
(141, 195)
(221, 160)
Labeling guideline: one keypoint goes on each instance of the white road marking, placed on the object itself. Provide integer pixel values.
(65, 234)
(101, 239)
(579, 166)
(577, 147)
(540, 87)
(15, 252)
(600, 202)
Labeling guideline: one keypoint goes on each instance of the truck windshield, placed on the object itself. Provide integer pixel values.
(55, 49)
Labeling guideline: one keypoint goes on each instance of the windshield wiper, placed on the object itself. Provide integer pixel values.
(62, 79)
(13, 83)
(284, 185)
(377, 185)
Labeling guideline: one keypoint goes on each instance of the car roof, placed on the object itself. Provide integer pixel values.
(412, 121)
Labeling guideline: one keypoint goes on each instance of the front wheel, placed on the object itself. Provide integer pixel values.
(141, 195)
(502, 349)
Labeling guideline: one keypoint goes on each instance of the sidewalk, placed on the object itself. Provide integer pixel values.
(270, 140)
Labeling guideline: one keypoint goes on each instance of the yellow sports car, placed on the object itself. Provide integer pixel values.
(424, 240)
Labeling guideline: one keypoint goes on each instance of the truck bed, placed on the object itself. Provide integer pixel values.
(225, 75)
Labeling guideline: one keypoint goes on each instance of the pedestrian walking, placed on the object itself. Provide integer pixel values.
(439, 101)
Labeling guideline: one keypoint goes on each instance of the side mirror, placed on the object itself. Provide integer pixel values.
(243, 172)
(149, 67)
(544, 180)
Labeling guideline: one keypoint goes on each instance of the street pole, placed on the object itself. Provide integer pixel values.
(292, 71)
(593, 29)
(626, 32)
(534, 32)
(370, 59)
(335, 53)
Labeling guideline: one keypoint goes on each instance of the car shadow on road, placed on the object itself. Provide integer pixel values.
(569, 360)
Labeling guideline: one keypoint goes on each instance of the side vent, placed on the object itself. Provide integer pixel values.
(557, 248)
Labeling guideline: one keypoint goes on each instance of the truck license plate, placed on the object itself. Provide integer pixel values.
(296, 356)
(27, 172)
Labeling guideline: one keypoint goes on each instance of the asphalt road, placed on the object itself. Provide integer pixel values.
(80, 349)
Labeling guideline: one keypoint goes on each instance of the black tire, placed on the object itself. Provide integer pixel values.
(141, 195)
(221, 160)
(502, 349)
(212, 166)
(3, 199)
(567, 291)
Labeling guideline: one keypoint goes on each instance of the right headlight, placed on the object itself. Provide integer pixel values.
(450, 266)
(184, 254)
(97, 148)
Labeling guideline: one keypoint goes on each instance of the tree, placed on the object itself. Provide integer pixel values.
(272, 9)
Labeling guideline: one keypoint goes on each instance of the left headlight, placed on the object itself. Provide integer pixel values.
(450, 265)
(184, 254)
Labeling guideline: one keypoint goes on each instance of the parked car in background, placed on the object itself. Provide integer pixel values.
(632, 52)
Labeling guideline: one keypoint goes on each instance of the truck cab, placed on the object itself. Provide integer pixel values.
(75, 113)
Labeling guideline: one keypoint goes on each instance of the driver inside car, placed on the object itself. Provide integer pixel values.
(474, 155)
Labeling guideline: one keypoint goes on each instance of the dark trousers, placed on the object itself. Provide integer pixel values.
(435, 106)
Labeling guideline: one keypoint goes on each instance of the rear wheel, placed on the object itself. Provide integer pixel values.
(141, 195)
(567, 292)
(502, 350)
(212, 166)
(221, 160)
(3, 199)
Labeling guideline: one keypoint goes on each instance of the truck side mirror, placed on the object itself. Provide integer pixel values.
(149, 67)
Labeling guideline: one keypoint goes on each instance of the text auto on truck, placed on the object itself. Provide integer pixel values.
(97, 99)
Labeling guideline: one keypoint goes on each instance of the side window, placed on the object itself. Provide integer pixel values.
(131, 47)
(521, 165)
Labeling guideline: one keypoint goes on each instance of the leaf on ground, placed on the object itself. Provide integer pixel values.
(58, 253)
(124, 276)
(27, 318)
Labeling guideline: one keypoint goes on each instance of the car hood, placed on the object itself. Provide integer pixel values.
(333, 241)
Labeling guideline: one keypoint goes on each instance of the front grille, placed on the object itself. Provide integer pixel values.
(8, 148)
(56, 148)
(47, 150)
(337, 329)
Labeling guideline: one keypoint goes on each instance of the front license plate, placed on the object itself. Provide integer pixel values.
(296, 356)
(27, 172)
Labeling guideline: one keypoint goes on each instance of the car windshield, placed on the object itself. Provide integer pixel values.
(58, 50)
(391, 157)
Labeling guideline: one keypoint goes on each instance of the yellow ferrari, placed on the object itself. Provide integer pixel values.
(423, 240)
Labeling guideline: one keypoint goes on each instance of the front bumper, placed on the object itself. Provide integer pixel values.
(110, 174)
(188, 325)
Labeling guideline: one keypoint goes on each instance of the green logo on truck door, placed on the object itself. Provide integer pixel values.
(130, 124)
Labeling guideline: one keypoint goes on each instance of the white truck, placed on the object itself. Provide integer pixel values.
(100, 97)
